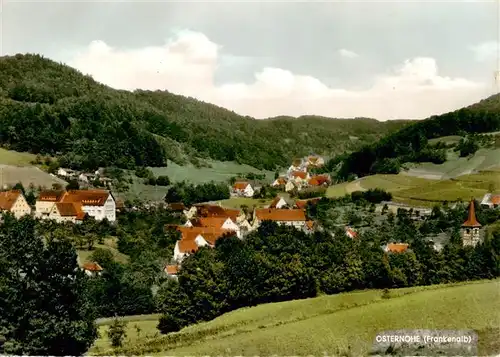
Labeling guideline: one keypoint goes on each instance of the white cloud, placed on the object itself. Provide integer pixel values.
(485, 51)
(347, 54)
(186, 65)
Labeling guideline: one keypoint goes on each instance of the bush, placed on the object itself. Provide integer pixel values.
(168, 324)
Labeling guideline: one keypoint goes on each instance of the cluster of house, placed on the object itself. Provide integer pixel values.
(83, 177)
(62, 206)
(297, 177)
(207, 223)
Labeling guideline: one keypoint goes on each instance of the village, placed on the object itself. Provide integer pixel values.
(205, 223)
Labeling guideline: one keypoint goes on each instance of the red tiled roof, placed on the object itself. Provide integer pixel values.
(8, 198)
(177, 206)
(171, 269)
(310, 224)
(318, 180)
(50, 196)
(280, 181)
(215, 222)
(187, 243)
(240, 185)
(217, 211)
(397, 247)
(302, 204)
(280, 215)
(70, 209)
(471, 220)
(351, 233)
(187, 246)
(300, 174)
(86, 197)
(91, 266)
(495, 199)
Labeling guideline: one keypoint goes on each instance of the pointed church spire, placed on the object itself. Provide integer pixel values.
(471, 220)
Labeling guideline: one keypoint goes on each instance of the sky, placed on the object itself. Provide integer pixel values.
(384, 60)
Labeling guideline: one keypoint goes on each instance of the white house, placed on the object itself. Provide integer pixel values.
(63, 172)
(242, 189)
(83, 178)
(491, 201)
(280, 181)
(278, 202)
(218, 223)
(66, 212)
(99, 204)
(92, 269)
(172, 270)
(13, 201)
(290, 185)
(45, 202)
(289, 217)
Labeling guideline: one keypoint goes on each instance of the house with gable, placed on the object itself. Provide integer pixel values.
(278, 202)
(299, 177)
(45, 202)
(92, 269)
(319, 180)
(314, 161)
(66, 212)
(192, 238)
(279, 182)
(98, 204)
(218, 223)
(289, 217)
(396, 247)
(242, 189)
(171, 270)
(491, 200)
(13, 201)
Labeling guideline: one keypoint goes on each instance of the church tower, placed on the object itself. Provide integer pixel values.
(471, 227)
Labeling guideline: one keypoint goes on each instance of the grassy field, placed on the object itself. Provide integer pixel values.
(109, 244)
(219, 171)
(332, 324)
(484, 159)
(9, 157)
(425, 192)
(238, 202)
(10, 175)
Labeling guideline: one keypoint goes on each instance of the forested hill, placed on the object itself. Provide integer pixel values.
(410, 144)
(50, 108)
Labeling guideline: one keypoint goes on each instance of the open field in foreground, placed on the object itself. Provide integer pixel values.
(342, 324)
(425, 192)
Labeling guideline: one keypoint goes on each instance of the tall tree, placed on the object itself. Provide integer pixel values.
(42, 294)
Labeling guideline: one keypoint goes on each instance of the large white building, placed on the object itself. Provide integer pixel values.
(74, 204)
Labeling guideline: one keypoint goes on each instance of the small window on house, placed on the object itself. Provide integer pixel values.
(467, 231)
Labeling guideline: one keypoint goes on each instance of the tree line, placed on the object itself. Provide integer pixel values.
(411, 143)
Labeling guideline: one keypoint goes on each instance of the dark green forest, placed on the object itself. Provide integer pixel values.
(411, 143)
(50, 108)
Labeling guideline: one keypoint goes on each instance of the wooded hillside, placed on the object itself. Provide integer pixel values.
(410, 144)
(50, 108)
